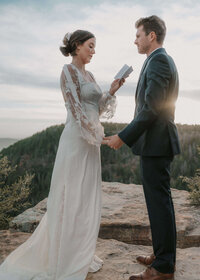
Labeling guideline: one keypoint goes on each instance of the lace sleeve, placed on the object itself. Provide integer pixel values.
(107, 105)
(91, 131)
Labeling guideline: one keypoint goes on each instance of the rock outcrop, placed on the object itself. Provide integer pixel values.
(124, 216)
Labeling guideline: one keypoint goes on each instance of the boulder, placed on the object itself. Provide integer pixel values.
(30, 218)
(124, 216)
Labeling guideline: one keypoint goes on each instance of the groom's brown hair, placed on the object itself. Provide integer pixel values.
(153, 23)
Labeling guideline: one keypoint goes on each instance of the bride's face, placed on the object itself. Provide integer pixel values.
(86, 50)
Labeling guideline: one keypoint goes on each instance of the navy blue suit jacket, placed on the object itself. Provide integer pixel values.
(153, 131)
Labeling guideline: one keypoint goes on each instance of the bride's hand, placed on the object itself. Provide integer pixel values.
(104, 142)
(116, 84)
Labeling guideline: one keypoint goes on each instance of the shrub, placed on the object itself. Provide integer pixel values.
(13, 197)
(193, 185)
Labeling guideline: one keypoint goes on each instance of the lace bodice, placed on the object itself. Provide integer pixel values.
(85, 103)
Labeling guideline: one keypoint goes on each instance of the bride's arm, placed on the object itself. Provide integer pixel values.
(108, 102)
(92, 132)
(107, 105)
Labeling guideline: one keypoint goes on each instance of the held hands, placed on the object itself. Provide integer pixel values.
(116, 84)
(113, 142)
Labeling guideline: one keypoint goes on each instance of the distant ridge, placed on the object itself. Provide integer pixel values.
(6, 142)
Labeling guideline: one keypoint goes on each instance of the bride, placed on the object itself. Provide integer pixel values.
(63, 245)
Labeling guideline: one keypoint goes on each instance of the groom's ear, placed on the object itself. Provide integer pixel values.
(152, 36)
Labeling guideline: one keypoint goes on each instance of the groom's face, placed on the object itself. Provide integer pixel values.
(142, 40)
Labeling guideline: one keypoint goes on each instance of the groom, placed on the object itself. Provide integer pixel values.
(153, 135)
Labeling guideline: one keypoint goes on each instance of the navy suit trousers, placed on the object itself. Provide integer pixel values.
(155, 173)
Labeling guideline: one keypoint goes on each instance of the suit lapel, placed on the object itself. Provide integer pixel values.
(142, 70)
(144, 66)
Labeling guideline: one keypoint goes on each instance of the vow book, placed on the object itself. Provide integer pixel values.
(124, 72)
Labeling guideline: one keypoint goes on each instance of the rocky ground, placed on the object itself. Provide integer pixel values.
(119, 257)
(124, 232)
(10, 241)
(120, 261)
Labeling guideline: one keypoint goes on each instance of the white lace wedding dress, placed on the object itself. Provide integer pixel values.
(63, 245)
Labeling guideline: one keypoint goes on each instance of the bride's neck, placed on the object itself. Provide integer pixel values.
(79, 64)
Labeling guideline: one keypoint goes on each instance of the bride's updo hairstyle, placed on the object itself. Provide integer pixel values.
(72, 40)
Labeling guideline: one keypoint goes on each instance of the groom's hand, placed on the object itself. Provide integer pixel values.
(114, 141)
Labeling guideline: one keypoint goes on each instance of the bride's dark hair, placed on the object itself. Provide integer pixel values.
(78, 37)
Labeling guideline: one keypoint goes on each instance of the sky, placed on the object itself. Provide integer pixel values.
(31, 63)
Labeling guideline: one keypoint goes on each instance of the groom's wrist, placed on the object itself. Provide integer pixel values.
(122, 136)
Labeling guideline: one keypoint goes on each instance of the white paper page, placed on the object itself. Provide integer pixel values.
(124, 72)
